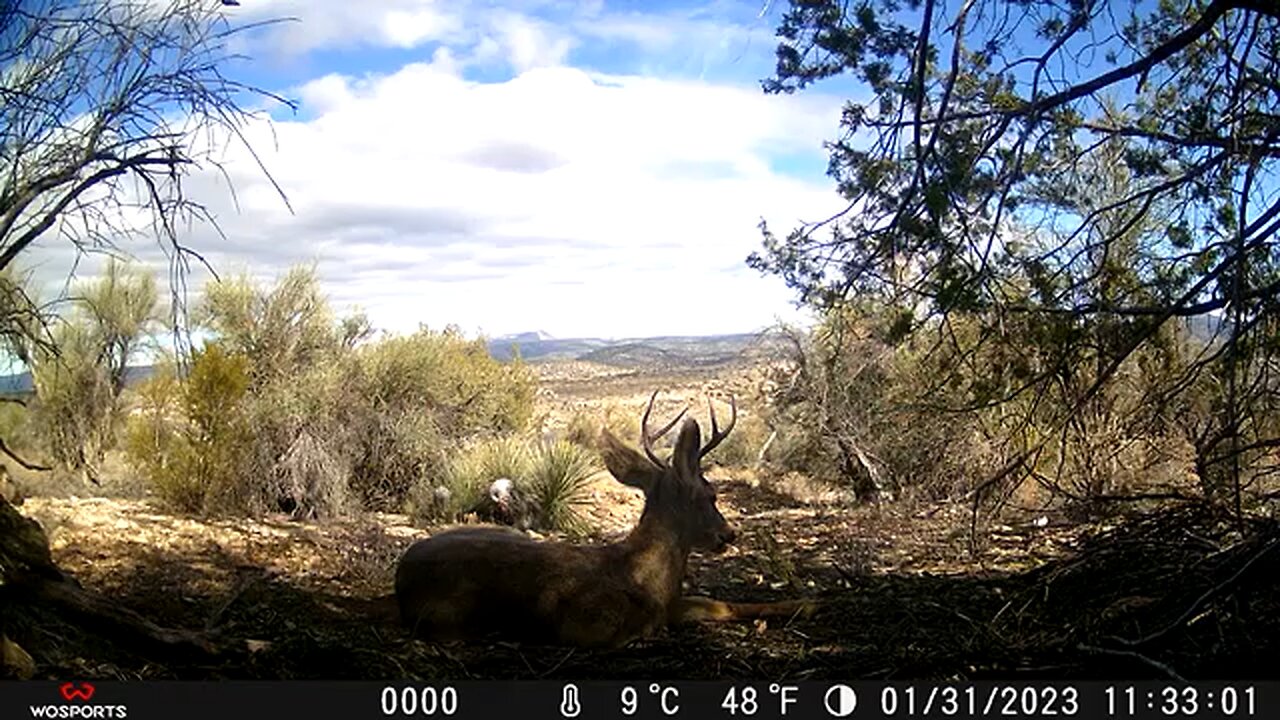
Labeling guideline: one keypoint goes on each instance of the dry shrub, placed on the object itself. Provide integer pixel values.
(430, 501)
(582, 429)
(397, 450)
(371, 560)
(739, 450)
(17, 428)
(313, 478)
(742, 447)
(301, 453)
(336, 425)
(1017, 417)
(844, 411)
(586, 424)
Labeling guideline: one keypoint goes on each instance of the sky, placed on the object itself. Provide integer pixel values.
(578, 168)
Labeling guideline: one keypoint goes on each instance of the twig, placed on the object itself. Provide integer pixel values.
(555, 667)
(16, 458)
(524, 660)
(797, 633)
(1170, 672)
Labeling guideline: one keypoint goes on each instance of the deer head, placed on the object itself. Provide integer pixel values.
(677, 495)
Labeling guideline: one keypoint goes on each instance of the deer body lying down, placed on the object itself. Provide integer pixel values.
(487, 581)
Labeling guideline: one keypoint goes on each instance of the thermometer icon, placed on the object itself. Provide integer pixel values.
(569, 706)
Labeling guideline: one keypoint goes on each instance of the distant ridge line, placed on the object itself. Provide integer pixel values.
(664, 350)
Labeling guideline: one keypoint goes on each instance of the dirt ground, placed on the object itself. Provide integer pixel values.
(908, 592)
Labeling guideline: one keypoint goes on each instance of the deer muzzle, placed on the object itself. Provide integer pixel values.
(725, 538)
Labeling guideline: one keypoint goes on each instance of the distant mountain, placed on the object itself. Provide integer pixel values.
(697, 351)
(631, 354)
(1207, 328)
(526, 337)
(18, 384)
(534, 348)
(21, 384)
(670, 351)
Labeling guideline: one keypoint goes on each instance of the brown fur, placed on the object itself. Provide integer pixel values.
(485, 581)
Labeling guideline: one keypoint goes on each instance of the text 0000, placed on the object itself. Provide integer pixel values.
(415, 701)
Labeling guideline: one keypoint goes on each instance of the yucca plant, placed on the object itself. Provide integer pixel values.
(558, 481)
(505, 457)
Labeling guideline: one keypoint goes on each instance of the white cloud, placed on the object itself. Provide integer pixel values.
(529, 43)
(481, 34)
(522, 34)
(572, 202)
(314, 24)
(408, 28)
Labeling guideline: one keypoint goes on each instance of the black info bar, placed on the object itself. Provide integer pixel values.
(648, 700)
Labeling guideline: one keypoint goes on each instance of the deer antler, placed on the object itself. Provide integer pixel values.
(717, 435)
(646, 438)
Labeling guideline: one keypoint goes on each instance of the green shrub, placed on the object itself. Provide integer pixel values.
(187, 438)
(285, 329)
(421, 396)
(505, 457)
(452, 377)
(154, 440)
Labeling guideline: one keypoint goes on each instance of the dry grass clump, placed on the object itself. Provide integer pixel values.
(549, 478)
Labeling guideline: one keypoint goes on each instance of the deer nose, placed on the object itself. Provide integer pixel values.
(728, 536)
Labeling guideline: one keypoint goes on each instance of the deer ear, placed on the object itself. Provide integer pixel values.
(627, 465)
(688, 446)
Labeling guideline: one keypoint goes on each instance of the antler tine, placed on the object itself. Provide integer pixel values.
(647, 438)
(718, 435)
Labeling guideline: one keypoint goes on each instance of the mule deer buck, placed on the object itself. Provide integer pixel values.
(470, 583)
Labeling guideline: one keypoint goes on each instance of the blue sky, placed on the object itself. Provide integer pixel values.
(581, 168)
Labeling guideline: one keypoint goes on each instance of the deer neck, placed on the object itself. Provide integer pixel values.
(655, 555)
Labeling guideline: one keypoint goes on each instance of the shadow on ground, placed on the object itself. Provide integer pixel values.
(1183, 594)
